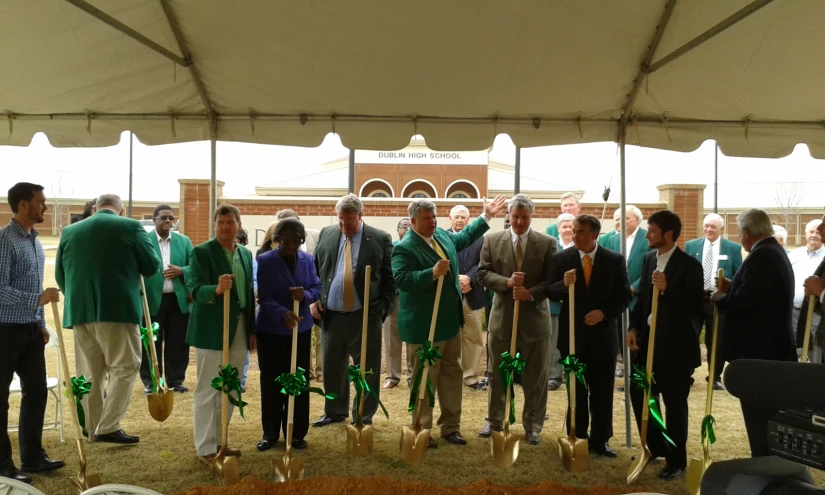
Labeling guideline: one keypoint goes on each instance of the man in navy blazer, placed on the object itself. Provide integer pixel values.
(475, 299)
(758, 304)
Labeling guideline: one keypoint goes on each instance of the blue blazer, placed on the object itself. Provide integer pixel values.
(274, 281)
(468, 261)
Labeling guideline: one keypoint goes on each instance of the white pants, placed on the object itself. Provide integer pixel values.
(207, 405)
(472, 343)
(103, 348)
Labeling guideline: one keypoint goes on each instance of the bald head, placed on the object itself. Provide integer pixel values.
(110, 202)
(713, 226)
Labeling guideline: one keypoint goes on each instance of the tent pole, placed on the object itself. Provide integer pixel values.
(628, 369)
(131, 141)
(351, 173)
(213, 176)
(517, 176)
(715, 177)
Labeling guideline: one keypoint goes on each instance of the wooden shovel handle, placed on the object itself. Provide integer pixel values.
(58, 325)
(293, 365)
(809, 318)
(513, 337)
(367, 277)
(422, 389)
(225, 361)
(651, 342)
(153, 357)
(720, 277)
(571, 378)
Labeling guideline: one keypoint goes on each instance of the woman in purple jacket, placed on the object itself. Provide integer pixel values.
(284, 274)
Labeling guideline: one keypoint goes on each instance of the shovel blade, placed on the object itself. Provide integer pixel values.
(638, 465)
(225, 470)
(504, 447)
(574, 454)
(359, 439)
(161, 404)
(414, 443)
(287, 468)
(83, 482)
(693, 477)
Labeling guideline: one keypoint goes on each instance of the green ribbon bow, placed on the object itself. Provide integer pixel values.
(144, 337)
(640, 380)
(508, 367)
(295, 384)
(572, 364)
(427, 356)
(80, 387)
(707, 428)
(361, 385)
(228, 381)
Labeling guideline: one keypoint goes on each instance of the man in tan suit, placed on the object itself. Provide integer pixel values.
(515, 265)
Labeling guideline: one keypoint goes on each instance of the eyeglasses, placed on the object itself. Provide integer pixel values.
(166, 217)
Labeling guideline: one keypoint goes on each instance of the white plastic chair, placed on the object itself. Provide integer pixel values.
(119, 490)
(14, 487)
(53, 384)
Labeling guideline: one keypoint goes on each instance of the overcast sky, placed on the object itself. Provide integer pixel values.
(88, 172)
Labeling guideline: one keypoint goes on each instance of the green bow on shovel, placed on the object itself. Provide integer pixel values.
(296, 384)
(80, 387)
(571, 364)
(508, 367)
(228, 381)
(640, 380)
(144, 338)
(361, 385)
(427, 356)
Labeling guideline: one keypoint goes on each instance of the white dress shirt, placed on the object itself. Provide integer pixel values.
(716, 247)
(592, 255)
(565, 246)
(661, 264)
(804, 263)
(514, 236)
(631, 238)
(165, 257)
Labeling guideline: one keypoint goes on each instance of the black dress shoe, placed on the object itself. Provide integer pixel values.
(181, 389)
(146, 389)
(14, 474)
(431, 443)
(553, 385)
(266, 444)
(299, 444)
(671, 472)
(42, 465)
(118, 436)
(326, 420)
(484, 381)
(532, 438)
(455, 438)
(487, 431)
(477, 386)
(603, 450)
(717, 385)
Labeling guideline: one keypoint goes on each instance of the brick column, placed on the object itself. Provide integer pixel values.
(194, 208)
(687, 201)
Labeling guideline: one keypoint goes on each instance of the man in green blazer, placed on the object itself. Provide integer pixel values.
(219, 268)
(98, 267)
(604, 239)
(569, 204)
(714, 252)
(169, 302)
(424, 255)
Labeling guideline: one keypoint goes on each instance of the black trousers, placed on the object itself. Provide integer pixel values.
(673, 386)
(594, 404)
(756, 424)
(707, 320)
(274, 358)
(174, 356)
(22, 353)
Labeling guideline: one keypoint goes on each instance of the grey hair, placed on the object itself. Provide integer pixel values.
(419, 205)
(459, 208)
(714, 216)
(636, 212)
(349, 204)
(813, 224)
(565, 217)
(569, 195)
(521, 201)
(779, 231)
(111, 200)
(756, 222)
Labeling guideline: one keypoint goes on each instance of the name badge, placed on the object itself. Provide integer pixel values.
(723, 257)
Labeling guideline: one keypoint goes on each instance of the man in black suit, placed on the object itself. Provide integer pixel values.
(475, 299)
(341, 255)
(602, 293)
(679, 279)
(758, 304)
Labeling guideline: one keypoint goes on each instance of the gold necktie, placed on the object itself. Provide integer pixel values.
(517, 253)
(349, 285)
(439, 251)
(587, 267)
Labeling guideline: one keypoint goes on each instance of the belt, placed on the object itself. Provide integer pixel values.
(344, 312)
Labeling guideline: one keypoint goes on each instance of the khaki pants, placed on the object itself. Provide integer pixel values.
(316, 369)
(392, 348)
(446, 379)
(533, 384)
(471, 344)
(207, 401)
(107, 348)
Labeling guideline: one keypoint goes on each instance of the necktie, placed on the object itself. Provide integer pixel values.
(438, 250)
(587, 267)
(707, 266)
(349, 285)
(517, 253)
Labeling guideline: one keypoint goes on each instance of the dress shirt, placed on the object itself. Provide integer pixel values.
(429, 240)
(631, 238)
(804, 263)
(22, 262)
(661, 263)
(236, 262)
(565, 246)
(592, 255)
(335, 298)
(717, 244)
(523, 236)
(165, 246)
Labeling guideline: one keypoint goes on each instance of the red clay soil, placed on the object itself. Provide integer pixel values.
(383, 486)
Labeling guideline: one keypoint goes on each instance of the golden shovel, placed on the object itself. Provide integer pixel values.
(161, 402)
(288, 468)
(415, 439)
(224, 467)
(359, 436)
(644, 456)
(696, 469)
(82, 481)
(809, 318)
(574, 451)
(505, 444)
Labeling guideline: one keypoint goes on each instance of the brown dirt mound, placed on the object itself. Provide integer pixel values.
(381, 486)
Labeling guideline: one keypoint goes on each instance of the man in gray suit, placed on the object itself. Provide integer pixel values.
(503, 257)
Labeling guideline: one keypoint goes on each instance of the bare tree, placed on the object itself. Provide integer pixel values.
(788, 196)
(60, 205)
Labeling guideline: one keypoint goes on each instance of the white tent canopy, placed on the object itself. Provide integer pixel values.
(749, 74)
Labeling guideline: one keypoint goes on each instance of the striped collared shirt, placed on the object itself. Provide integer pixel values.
(21, 276)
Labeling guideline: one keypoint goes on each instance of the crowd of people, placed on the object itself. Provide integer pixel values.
(101, 259)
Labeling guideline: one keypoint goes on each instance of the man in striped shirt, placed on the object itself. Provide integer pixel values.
(23, 330)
